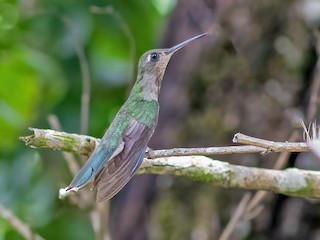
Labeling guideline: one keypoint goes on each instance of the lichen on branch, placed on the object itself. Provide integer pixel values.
(188, 162)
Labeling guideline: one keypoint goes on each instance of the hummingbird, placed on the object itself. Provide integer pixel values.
(121, 151)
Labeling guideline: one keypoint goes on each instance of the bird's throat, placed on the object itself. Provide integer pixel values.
(147, 87)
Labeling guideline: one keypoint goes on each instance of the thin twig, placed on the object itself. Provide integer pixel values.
(70, 159)
(290, 182)
(271, 146)
(85, 199)
(280, 163)
(283, 157)
(84, 66)
(18, 225)
(82, 144)
(204, 151)
(235, 217)
(255, 200)
(252, 208)
(103, 209)
(99, 219)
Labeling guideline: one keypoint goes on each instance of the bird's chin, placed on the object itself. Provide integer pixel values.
(64, 192)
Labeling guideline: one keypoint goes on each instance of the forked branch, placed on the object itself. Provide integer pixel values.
(187, 162)
(84, 145)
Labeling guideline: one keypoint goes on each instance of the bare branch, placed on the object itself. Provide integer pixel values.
(18, 225)
(84, 145)
(235, 217)
(271, 145)
(70, 159)
(280, 163)
(204, 151)
(312, 136)
(252, 204)
(62, 141)
(255, 201)
(84, 200)
(292, 181)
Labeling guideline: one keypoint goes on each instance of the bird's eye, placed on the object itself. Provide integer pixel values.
(154, 57)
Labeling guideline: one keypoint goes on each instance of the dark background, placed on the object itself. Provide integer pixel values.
(254, 75)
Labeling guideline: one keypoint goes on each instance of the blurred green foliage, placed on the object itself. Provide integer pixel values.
(40, 75)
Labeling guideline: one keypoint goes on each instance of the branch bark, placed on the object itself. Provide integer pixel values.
(294, 182)
(84, 145)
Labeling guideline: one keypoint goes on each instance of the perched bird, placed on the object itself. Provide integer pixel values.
(122, 148)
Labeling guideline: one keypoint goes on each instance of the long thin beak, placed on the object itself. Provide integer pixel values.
(181, 45)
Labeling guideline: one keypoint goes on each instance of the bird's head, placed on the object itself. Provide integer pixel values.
(155, 61)
(152, 66)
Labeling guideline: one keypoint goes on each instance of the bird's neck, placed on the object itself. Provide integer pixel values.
(147, 87)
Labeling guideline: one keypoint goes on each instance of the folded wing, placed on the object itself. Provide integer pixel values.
(119, 170)
(93, 166)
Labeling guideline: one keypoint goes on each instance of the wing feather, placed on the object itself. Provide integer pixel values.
(94, 165)
(114, 176)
